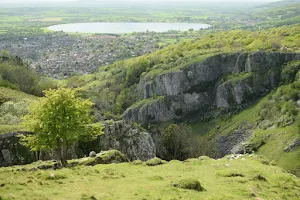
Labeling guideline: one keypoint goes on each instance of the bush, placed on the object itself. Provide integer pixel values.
(11, 113)
(180, 143)
(137, 162)
(155, 161)
(106, 157)
(281, 107)
(189, 184)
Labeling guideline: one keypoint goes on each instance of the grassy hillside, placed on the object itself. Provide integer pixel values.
(13, 105)
(244, 177)
(18, 85)
(15, 95)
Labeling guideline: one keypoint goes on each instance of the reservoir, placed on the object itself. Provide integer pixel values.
(119, 28)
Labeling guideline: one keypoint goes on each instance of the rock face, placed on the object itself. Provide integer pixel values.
(12, 152)
(134, 144)
(233, 143)
(223, 80)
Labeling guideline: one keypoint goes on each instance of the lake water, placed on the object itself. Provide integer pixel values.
(117, 28)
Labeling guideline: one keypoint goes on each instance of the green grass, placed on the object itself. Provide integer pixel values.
(16, 95)
(238, 77)
(220, 179)
(145, 102)
(11, 128)
(275, 140)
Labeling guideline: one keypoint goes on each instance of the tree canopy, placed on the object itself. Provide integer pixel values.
(58, 121)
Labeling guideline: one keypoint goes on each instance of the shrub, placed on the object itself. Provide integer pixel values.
(11, 112)
(180, 143)
(106, 157)
(189, 184)
(229, 173)
(137, 162)
(281, 107)
(155, 161)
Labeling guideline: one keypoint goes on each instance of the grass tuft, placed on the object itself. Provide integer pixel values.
(155, 161)
(260, 178)
(189, 184)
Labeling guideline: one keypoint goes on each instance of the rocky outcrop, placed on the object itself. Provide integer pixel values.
(135, 144)
(233, 143)
(12, 152)
(223, 80)
(122, 136)
(292, 146)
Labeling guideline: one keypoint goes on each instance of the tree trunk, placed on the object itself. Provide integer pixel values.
(62, 156)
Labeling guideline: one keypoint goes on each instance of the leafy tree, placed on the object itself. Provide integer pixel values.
(58, 121)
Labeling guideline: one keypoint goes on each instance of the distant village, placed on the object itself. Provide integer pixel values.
(61, 55)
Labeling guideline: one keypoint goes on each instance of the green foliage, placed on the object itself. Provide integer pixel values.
(7, 84)
(58, 120)
(229, 173)
(136, 162)
(155, 161)
(135, 69)
(289, 72)
(281, 107)
(180, 143)
(13, 106)
(11, 113)
(46, 83)
(115, 85)
(190, 184)
(18, 76)
(124, 100)
(106, 157)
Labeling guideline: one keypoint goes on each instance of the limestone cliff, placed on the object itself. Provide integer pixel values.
(222, 80)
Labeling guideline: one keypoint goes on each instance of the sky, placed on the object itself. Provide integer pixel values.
(41, 1)
(21, 3)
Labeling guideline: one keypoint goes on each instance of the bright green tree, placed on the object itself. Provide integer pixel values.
(58, 121)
